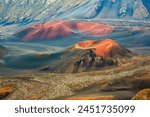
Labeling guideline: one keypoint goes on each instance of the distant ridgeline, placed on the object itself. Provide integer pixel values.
(28, 11)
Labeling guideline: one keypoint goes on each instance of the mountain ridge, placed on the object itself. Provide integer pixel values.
(29, 11)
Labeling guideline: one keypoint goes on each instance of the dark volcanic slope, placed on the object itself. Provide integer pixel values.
(88, 56)
(3, 51)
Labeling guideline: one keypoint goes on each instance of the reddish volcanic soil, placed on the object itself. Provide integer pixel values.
(55, 29)
(92, 28)
(6, 90)
(50, 29)
(91, 98)
(105, 48)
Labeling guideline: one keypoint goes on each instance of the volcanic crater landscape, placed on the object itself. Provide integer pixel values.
(75, 50)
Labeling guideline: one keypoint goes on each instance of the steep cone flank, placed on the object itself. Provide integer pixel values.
(58, 29)
(105, 48)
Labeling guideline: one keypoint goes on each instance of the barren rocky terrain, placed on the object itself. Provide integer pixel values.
(121, 82)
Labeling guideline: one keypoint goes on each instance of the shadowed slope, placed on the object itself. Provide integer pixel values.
(3, 51)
